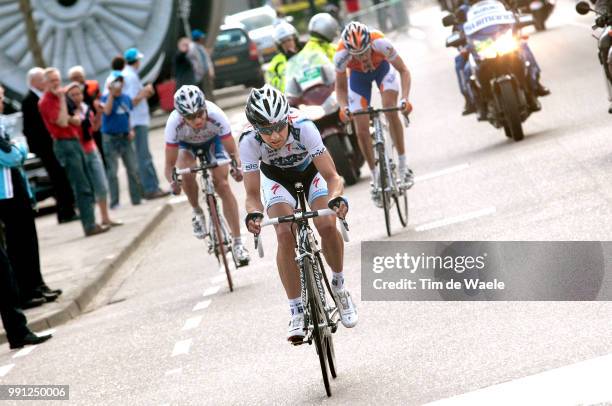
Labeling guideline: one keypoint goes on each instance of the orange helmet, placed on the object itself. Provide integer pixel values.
(356, 37)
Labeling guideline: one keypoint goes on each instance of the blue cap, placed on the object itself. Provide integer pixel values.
(132, 55)
(197, 34)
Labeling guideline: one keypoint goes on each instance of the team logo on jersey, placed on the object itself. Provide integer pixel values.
(315, 182)
(275, 188)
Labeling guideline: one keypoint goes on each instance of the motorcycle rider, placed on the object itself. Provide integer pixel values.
(322, 28)
(464, 71)
(286, 38)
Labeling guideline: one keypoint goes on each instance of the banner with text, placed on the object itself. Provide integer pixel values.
(486, 270)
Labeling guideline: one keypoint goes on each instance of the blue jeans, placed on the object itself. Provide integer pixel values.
(146, 170)
(71, 156)
(115, 146)
(97, 175)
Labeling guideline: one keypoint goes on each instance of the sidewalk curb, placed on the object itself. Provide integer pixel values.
(104, 270)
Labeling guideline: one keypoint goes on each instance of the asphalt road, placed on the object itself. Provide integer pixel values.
(167, 331)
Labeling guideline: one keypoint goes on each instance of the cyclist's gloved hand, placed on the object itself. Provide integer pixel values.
(175, 187)
(236, 171)
(339, 205)
(405, 105)
(253, 220)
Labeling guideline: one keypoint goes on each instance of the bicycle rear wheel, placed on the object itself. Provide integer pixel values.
(383, 173)
(401, 202)
(321, 335)
(219, 246)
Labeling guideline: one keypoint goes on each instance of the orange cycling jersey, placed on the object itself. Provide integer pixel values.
(381, 49)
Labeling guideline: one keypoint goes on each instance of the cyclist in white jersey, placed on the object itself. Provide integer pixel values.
(197, 124)
(282, 147)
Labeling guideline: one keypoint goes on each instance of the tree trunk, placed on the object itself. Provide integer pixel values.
(26, 9)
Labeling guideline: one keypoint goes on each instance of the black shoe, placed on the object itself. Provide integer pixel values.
(46, 289)
(469, 108)
(533, 103)
(610, 109)
(541, 90)
(29, 339)
(68, 219)
(33, 302)
(50, 297)
(156, 195)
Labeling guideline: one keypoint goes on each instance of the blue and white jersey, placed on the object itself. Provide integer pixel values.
(303, 144)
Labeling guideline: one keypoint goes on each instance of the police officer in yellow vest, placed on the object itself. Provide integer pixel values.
(285, 36)
(323, 28)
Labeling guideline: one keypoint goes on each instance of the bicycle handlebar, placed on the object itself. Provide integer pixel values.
(296, 217)
(372, 112)
(203, 167)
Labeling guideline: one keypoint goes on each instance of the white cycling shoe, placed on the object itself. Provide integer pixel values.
(296, 328)
(406, 178)
(348, 311)
(376, 195)
(199, 226)
(241, 254)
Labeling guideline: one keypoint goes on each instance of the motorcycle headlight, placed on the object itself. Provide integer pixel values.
(491, 48)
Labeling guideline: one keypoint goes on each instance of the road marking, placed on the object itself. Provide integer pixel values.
(5, 369)
(201, 305)
(586, 382)
(457, 219)
(211, 291)
(177, 200)
(175, 371)
(441, 172)
(25, 351)
(192, 323)
(182, 347)
(219, 278)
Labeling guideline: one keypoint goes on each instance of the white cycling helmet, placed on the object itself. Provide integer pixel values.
(189, 99)
(323, 25)
(282, 31)
(266, 106)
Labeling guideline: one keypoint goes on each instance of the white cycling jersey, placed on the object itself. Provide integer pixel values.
(217, 123)
(303, 144)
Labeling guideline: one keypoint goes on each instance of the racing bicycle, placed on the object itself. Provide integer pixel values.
(321, 314)
(219, 239)
(392, 189)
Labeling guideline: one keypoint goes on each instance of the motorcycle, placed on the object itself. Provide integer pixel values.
(309, 85)
(539, 9)
(604, 21)
(500, 79)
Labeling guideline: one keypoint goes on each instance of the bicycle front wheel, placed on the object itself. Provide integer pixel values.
(383, 173)
(401, 201)
(219, 243)
(320, 331)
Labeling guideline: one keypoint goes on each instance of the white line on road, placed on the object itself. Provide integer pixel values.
(441, 172)
(192, 323)
(175, 371)
(201, 305)
(218, 278)
(5, 369)
(457, 219)
(182, 347)
(211, 291)
(25, 351)
(586, 382)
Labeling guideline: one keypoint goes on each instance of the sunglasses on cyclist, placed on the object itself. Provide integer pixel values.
(272, 128)
(193, 116)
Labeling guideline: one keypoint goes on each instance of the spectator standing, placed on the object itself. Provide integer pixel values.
(91, 97)
(140, 120)
(54, 111)
(41, 143)
(16, 214)
(118, 137)
(90, 123)
(13, 319)
(184, 69)
(203, 66)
